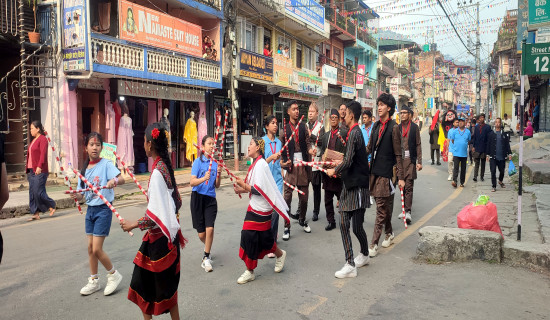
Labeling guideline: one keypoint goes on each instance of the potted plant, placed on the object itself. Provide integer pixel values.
(34, 37)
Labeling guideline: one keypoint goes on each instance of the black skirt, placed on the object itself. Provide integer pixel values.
(256, 239)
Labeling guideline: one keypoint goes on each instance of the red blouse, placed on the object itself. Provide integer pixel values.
(38, 154)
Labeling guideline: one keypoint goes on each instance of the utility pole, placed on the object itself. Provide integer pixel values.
(432, 47)
(478, 63)
(231, 18)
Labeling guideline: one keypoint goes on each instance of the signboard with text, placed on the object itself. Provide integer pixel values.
(348, 92)
(308, 11)
(308, 83)
(523, 22)
(360, 76)
(535, 59)
(153, 91)
(282, 71)
(330, 73)
(539, 12)
(254, 65)
(146, 26)
(74, 35)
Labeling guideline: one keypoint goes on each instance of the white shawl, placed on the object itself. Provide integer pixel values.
(161, 207)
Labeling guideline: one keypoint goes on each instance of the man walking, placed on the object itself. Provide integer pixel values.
(354, 199)
(315, 128)
(385, 148)
(411, 160)
(479, 143)
(450, 154)
(507, 126)
(366, 126)
(434, 145)
(498, 149)
(460, 138)
(332, 185)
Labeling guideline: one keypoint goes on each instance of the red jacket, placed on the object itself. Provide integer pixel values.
(39, 152)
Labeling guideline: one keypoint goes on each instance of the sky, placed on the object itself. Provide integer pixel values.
(399, 15)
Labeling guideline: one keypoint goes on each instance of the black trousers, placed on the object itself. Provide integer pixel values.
(459, 161)
(493, 164)
(357, 217)
(437, 152)
(316, 179)
(479, 157)
(329, 204)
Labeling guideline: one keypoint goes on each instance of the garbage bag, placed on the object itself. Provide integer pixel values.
(481, 200)
(511, 168)
(481, 217)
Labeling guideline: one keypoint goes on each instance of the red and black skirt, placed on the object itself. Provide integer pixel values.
(154, 285)
(256, 237)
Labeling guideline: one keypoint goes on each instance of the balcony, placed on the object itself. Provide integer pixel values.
(341, 27)
(386, 66)
(507, 79)
(216, 4)
(367, 38)
(344, 76)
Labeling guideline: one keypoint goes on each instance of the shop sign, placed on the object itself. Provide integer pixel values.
(330, 73)
(394, 91)
(523, 23)
(255, 66)
(360, 76)
(153, 91)
(74, 35)
(430, 103)
(282, 71)
(367, 103)
(146, 26)
(308, 11)
(348, 92)
(92, 83)
(539, 12)
(108, 152)
(308, 83)
(536, 59)
(296, 96)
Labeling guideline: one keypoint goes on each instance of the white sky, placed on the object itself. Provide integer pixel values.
(448, 43)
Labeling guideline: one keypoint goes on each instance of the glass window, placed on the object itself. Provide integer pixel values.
(250, 42)
(298, 56)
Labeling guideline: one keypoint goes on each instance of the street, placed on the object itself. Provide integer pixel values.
(45, 264)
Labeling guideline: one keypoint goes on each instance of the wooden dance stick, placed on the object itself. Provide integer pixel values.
(61, 168)
(318, 133)
(220, 164)
(94, 189)
(309, 164)
(403, 207)
(295, 132)
(319, 163)
(131, 175)
(293, 187)
(341, 139)
(83, 190)
(215, 140)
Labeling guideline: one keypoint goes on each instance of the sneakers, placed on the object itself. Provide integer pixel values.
(462, 185)
(330, 226)
(286, 234)
(247, 276)
(315, 216)
(401, 215)
(113, 280)
(408, 217)
(373, 250)
(206, 264)
(347, 271)
(433, 162)
(361, 260)
(306, 227)
(91, 287)
(280, 262)
(482, 179)
(450, 177)
(388, 240)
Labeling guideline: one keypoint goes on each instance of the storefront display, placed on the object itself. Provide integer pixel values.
(190, 136)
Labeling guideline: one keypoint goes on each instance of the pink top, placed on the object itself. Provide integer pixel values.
(29, 160)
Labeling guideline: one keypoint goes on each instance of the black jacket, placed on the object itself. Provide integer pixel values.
(491, 147)
(382, 164)
(324, 140)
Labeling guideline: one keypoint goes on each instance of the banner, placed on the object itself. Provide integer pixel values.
(255, 66)
(74, 35)
(140, 89)
(348, 92)
(308, 83)
(108, 152)
(297, 96)
(360, 76)
(282, 71)
(330, 73)
(146, 26)
(308, 11)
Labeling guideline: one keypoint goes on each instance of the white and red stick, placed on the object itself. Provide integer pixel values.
(222, 165)
(293, 188)
(215, 140)
(341, 139)
(295, 132)
(403, 207)
(83, 190)
(94, 189)
(309, 164)
(319, 163)
(223, 135)
(131, 175)
(318, 133)
(61, 168)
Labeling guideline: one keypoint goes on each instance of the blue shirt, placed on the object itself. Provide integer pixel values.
(451, 146)
(366, 134)
(499, 151)
(199, 169)
(461, 139)
(98, 176)
(274, 166)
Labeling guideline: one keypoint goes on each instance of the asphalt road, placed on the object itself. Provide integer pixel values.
(45, 264)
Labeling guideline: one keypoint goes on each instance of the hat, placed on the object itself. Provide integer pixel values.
(334, 112)
(461, 119)
(406, 108)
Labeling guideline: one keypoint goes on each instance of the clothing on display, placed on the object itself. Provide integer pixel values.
(110, 125)
(190, 137)
(118, 115)
(125, 141)
(202, 127)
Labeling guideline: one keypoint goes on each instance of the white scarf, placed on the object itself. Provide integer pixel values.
(161, 207)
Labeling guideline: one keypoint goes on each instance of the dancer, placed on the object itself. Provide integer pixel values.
(204, 207)
(332, 185)
(272, 154)
(479, 142)
(354, 199)
(498, 149)
(296, 176)
(256, 237)
(385, 147)
(100, 172)
(411, 160)
(434, 137)
(154, 285)
(460, 138)
(316, 128)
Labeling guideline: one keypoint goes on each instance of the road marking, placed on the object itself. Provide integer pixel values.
(307, 308)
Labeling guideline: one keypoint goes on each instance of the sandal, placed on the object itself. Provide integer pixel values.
(34, 217)
(501, 184)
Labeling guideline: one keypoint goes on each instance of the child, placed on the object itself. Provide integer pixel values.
(256, 237)
(100, 172)
(154, 285)
(204, 207)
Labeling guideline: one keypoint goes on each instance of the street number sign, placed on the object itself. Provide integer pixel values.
(535, 58)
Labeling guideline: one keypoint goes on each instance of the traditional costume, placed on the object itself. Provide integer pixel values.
(154, 285)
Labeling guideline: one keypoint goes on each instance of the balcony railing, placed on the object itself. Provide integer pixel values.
(343, 75)
(216, 4)
(166, 64)
(367, 38)
(507, 78)
(345, 24)
(207, 71)
(118, 55)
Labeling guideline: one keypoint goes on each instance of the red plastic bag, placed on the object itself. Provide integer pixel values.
(482, 217)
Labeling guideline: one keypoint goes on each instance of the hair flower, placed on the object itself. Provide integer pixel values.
(155, 133)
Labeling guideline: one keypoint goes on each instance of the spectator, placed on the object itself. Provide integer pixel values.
(280, 49)
(286, 53)
(498, 149)
(267, 51)
(214, 55)
(528, 132)
(507, 126)
(536, 117)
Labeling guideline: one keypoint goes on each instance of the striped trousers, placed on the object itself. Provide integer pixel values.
(356, 217)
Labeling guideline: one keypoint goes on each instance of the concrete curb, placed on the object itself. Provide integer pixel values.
(524, 254)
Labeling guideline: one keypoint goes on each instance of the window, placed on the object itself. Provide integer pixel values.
(337, 55)
(250, 42)
(310, 59)
(298, 56)
(285, 42)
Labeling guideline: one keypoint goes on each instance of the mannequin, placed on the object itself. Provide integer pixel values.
(110, 123)
(125, 140)
(190, 138)
(166, 121)
(202, 126)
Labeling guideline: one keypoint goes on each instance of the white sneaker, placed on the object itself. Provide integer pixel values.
(286, 234)
(280, 262)
(113, 280)
(361, 260)
(401, 215)
(347, 271)
(388, 240)
(206, 264)
(247, 276)
(373, 250)
(307, 229)
(408, 217)
(91, 287)
(450, 177)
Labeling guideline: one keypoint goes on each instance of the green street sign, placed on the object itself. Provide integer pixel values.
(539, 12)
(535, 58)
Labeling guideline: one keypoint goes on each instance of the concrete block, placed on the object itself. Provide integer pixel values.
(454, 244)
(538, 170)
(534, 256)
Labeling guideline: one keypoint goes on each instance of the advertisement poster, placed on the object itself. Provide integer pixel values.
(360, 76)
(108, 151)
(330, 73)
(282, 71)
(308, 83)
(308, 11)
(348, 92)
(255, 66)
(74, 35)
(143, 25)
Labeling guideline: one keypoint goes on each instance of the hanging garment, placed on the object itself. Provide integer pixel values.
(110, 124)
(118, 114)
(203, 128)
(190, 136)
(125, 141)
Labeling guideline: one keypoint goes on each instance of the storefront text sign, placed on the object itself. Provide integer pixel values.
(256, 66)
(74, 35)
(360, 76)
(348, 92)
(153, 91)
(282, 71)
(367, 103)
(308, 83)
(308, 11)
(92, 83)
(297, 96)
(330, 73)
(150, 27)
(539, 13)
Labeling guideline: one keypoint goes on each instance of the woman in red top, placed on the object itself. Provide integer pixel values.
(37, 173)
